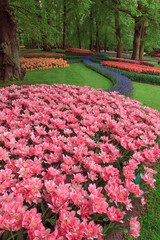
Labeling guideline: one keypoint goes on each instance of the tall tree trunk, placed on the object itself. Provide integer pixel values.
(105, 42)
(64, 24)
(77, 24)
(118, 34)
(97, 38)
(142, 41)
(10, 67)
(78, 32)
(46, 44)
(91, 31)
(137, 37)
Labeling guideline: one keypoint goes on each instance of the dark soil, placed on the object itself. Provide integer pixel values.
(136, 211)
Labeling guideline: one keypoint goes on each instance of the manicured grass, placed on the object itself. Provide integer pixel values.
(76, 74)
(150, 220)
(147, 94)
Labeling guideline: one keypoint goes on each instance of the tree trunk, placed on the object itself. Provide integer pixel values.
(46, 45)
(105, 42)
(64, 24)
(142, 41)
(136, 41)
(10, 67)
(97, 38)
(78, 33)
(118, 34)
(91, 31)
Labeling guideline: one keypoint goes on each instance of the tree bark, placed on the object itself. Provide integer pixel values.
(105, 42)
(78, 32)
(137, 37)
(77, 24)
(10, 66)
(91, 31)
(142, 40)
(64, 24)
(118, 34)
(97, 38)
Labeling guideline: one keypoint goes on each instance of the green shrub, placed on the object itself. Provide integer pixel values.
(139, 77)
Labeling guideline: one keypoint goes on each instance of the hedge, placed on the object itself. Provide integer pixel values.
(139, 77)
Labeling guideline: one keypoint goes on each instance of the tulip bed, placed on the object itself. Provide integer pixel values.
(136, 76)
(69, 160)
(44, 54)
(132, 61)
(30, 64)
(78, 50)
(132, 67)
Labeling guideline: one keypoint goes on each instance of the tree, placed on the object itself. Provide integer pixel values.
(10, 67)
(64, 23)
(117, 29)
(141, 11)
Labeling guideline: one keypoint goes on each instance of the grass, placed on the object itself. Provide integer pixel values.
(147, 94)
(76, 74)
(150, 220)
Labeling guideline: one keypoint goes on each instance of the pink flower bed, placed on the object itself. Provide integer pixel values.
(132, 67)
(132, 61)
(69, 159)
(45, 54)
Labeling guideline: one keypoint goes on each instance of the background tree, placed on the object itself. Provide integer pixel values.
(10, 67)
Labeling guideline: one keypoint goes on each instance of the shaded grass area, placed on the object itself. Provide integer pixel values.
(76, 74)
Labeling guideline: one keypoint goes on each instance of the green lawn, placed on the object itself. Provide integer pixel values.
(150, 220)
(76, 74)
(147, 94)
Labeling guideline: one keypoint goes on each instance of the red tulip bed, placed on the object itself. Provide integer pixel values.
(79, 50)
(30, 64)
(132, 61)
(69, 159)
(111, 52)
(44, 54)
(132, 67)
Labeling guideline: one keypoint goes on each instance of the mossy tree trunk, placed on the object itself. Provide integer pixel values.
(91, 31)
(142, 41)
(10, 67)
(136, 40)
(97, 38)
(118, 34)
(64, 23)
